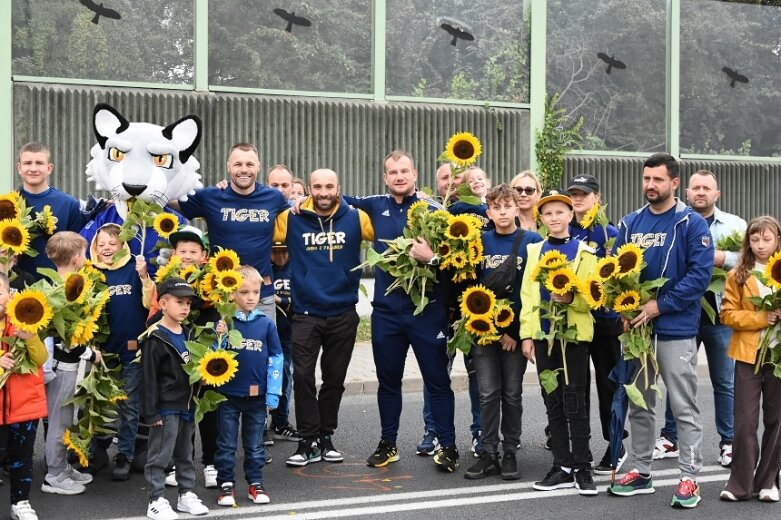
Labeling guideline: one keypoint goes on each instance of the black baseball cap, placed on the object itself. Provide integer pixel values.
(585, 183)
(554, 195)
(175, 287)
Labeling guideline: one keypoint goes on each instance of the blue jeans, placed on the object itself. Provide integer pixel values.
(131, 376)
(722, 375)
(474, 400)
(251, 412)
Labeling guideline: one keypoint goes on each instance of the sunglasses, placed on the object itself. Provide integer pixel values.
(528, 191)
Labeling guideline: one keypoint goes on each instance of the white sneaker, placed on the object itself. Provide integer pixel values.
(160, 509)
(190, 503)
(664, 449)
(725, 455)
(170, 479)
(769, 495)
(78, 476)
(22, 510)
(62, 484)
(209, 477)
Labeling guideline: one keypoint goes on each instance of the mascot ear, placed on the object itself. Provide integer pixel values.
(106, 122)
(185, 135)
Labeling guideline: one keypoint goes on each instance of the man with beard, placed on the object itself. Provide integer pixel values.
(676, 245)
(324, 241)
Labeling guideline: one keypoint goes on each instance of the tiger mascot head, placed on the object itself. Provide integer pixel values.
(143, 160)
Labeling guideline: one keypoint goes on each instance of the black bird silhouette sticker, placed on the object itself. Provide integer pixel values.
(734, 76)
(292, 19)
(99, 11)
(455, 28)
(611, 62)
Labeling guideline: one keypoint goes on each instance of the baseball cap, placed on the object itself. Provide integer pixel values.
(585, 183)
(553, 195)
(174, 286)
(279, 245)
(190, 233)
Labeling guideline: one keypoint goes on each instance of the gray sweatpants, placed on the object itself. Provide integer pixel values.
(677, 365)
(59, 390)
(172, 440)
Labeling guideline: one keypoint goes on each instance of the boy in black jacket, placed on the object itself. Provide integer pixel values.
(167, 403)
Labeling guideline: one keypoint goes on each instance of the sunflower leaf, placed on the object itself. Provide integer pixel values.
(549, 379)
(635, 395)
(234, 338)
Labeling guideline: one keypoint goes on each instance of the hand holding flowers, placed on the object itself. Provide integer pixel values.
(769, 351)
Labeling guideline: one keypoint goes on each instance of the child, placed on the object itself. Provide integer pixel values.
(569, 425)
(283, 430)
(23, 401)
(500, 366)
(750, 325)
(298, 189)
(256, 385)
(66, 249)
(126, 320)
(167, 403)
(478, 183)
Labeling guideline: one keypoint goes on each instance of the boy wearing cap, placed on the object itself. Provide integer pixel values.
(566, 405)
(167, 403)
(605, 348)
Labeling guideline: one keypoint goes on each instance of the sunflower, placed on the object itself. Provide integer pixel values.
(606, 268)
(444, 249)
(626, 301)
(10, 205)
(225, 260)
(458, 259)
(488, 339)
(553, 259)
(165, 224)
(14, 236)
(773, 271)
(79, 448)
(480, 326)
(475, 252)
(47, 220)
(590, 217)
(460, 227)
(561, 281)
(83, 332)
(186, 272)
(594, 292)
(415, 210)
(29, 310)
(630, 259)
(77, 286)
(169, 270)
(117, 397)
(228, 281)
(478, 301)
(217, 367)
(208, 285)
(462, 149)
(504, 316)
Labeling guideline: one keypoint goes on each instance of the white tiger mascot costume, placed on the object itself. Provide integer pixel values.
(141, 160)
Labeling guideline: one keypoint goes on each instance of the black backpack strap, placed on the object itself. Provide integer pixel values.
(517, 242)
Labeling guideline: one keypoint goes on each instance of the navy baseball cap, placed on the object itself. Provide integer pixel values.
(175, 287)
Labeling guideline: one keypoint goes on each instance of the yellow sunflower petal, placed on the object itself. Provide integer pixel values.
(477, 301)
(462, 149)
(29, 310)
(460, 227)
(630, 259)
(225, 260)
(504, 316)
(9, 205)
(553, 259)
(626, 301)
(228, 281)
(415, 210)
(14, 236)
(77, 286)
(561, 281)
(217, 367)
(480, 326)
(165, 224)
(590, 217)
(773, 271)
(606, 268)
(458, 259)
(169, 270)
(594, 293)
(49, 221)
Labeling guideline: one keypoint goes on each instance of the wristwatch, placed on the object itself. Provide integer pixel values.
(434, 260)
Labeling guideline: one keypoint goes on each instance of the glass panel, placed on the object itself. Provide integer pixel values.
(606, 58)
(317, 46)
(730, 71)
(133, 40)
(476, 49)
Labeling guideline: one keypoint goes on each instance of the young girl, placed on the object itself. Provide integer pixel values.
(478, 183)
(749, 325)
(23, 399)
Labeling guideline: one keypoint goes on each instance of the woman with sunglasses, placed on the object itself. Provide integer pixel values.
(528, 187)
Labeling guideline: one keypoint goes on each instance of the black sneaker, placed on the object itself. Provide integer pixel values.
(286, 433)
(510, 466)
(122, 467)
(308, 451)
(97, 461)
(486, 465)
(605, 466)
(383, 455)
(329, 453)
(584, 483)
(446, 458)
(556, 478)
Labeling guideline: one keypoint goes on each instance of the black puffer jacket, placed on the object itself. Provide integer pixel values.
(166, 386)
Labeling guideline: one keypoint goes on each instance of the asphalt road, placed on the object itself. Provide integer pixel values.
(413, 487)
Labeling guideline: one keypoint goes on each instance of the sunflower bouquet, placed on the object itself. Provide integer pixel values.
(768, 351)
(731, 243)
(616, 284)
(482, 315)
(18, 226)
(143, 214)
(461, 152)
(557, 275)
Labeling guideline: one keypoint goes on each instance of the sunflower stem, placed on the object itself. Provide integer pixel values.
(762, 352)
(563, 344)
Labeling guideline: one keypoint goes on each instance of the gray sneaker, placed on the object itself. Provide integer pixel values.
(77, 476)
(62, 484)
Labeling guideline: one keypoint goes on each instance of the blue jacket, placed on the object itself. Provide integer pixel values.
(389, 218)
(323, 251)
(596, 238)
(259, 356)
(686, 262)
